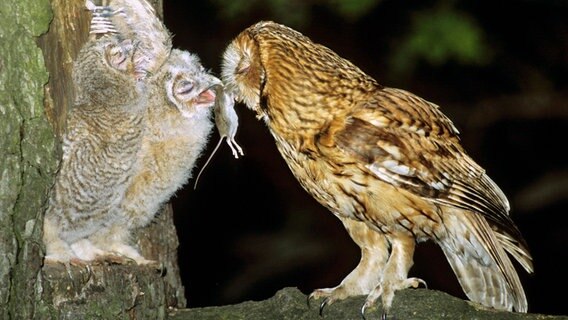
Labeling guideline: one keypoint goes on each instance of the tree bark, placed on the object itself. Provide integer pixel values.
(28, 161)
(39, 40)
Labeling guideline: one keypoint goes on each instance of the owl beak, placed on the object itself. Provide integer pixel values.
(205, 98)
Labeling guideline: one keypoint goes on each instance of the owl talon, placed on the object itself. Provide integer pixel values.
(369, 304)
(386, 292)
(324, 303)
(161, 268)
(363, 312)
(384, 314)
(422, 282)
(329, 295)
(312, 296)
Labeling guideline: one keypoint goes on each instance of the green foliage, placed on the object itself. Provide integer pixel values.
(234, 8)
(435, 36)
(293, 12)
(352, 9)
(438, 36)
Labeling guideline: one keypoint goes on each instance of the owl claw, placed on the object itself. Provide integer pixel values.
(420, 281)
(368, 304)
(160, 267)
(316, 295)
(364, 308)
(363, 312)
(386, 292)
(323, 304)
(312, 296)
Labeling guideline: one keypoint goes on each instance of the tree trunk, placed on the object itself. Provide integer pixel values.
(35, 94)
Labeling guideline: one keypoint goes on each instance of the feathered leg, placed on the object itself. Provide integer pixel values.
(115, 240)
(395, 273)
(365, 277)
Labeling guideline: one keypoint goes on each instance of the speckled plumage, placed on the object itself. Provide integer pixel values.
(172, 129)
(177, 126)
(386, 162)
(100, 148)
(136, 20)
(178, 122)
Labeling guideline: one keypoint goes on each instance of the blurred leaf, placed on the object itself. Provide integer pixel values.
(438, 36)
(353, 9)
(294, 13)
(233, 8)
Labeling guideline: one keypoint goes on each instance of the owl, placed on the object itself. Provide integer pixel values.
(100, 148)
(178, 124)
(137, 20)
(387, 163)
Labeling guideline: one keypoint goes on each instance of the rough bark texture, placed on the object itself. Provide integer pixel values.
(419, 304)
(27, 157)
(38, 42)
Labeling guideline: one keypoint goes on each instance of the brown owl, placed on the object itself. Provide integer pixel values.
(386, 162)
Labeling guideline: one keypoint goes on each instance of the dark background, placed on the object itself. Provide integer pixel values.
(497, 68)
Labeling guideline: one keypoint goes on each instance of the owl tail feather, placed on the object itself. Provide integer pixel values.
(477, 254)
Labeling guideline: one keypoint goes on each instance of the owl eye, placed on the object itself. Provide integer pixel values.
(184, 87)
(243, 67)
(243, 70)
(116, 57)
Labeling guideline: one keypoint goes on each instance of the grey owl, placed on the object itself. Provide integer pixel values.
(134, 19)
(178, 124)
(100, 148)
(177, 121)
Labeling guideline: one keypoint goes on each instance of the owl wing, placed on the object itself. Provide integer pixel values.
(408, 142)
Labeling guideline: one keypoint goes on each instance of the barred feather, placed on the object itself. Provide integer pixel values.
(388, 163)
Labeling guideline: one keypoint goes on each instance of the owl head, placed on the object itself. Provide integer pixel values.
(105, 72)
(188, 86)
(242, 69)
(260, 55)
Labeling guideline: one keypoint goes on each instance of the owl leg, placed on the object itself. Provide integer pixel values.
(86, 250)
(57, 250)
(115, 241)
(395, 274)
(365, 277)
